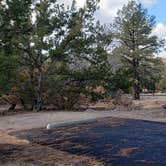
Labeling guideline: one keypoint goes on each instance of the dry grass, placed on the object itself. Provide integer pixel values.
(126, 152)
(37, 155)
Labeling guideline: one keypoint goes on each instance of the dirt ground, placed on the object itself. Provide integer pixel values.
(21, 152)
(39, 155)
(36, 120)
(16, 151)
(105, 142)
(41, 119)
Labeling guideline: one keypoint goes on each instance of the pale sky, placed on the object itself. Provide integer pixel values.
(109, 8)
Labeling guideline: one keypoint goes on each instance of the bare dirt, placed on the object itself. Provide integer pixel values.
(38, 155)
(36, 120)
(17, 151)
(107, 141)
(40, 152)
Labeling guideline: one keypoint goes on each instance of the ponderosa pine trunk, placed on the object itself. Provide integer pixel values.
(39, 101)
(135, 83)
(135, 91)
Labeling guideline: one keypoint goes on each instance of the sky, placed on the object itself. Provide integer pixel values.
(109, 8)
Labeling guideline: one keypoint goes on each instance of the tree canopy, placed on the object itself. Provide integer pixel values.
(136, 44)
(53, 54)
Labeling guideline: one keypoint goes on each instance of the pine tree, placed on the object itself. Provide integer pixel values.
(13, 19)
(136, 44)
(51, 47)
(58, 51)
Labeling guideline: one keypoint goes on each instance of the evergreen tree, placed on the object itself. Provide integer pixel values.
(137, 45)
(13, 19)
(57, 52)
(60, 50)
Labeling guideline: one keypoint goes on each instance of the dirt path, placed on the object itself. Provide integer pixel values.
(105, 142)
(37, 120)
(153, 114)
(18, 151)
(15, 151)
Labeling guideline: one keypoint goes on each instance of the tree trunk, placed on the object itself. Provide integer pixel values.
(135, 91)
(39, 102)
(12, 107)
(23, 103)
(135, 84)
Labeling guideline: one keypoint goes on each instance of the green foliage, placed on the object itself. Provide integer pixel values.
(121, 81)
(62, 52)
(8, 68)
(152, 75)
(137, 45)
(51, 54)
(161, 83)
(13, 19)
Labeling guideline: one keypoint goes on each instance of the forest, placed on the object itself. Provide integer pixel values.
(55, 54)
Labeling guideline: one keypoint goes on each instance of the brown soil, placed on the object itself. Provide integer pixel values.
(20, 152)
(6, 138)
(127, 151)
(15, 151)
(37, 155)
